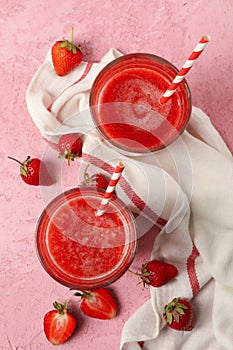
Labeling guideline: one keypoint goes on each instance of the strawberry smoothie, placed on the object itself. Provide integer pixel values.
(81, 250)
(125, 103)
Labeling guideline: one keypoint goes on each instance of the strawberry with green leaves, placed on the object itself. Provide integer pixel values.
(97, 303)
(178, 315)
(66, 56)
(33, 171)
(98, 180)
(156, 273)
(70, 146)
(59, 324)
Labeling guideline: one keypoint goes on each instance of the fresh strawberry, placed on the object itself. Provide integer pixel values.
(98, 180)
(156, 273)
(66, 56)
(97, 304)
(59, 324)
(33, 171)
(70, 146)
(178, 315)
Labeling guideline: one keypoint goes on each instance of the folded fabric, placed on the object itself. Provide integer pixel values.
(185, 189)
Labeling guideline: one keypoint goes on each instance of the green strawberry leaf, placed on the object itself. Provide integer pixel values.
(180, 310)
(74, 50)
(181, 305)
(69, 46)
(64, 44)
(169, 318)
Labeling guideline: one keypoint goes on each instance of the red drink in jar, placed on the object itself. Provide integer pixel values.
(80, 250)
(125, 105)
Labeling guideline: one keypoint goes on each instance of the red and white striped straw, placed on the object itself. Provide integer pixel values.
(186, 68)
(110, 189)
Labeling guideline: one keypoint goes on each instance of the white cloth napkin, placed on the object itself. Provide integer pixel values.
(186, 189)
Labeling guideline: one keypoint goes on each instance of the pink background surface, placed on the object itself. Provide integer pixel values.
(169, 28)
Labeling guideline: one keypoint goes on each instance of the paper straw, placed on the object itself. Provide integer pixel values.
(186, 67)
(110, 189)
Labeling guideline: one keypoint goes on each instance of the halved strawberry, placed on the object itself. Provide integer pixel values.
(178, 315)
(156, 273)
(59, 324)
(97, 304)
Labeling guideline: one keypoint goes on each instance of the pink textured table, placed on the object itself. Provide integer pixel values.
(28, 29)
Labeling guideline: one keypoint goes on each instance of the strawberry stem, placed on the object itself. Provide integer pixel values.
(16, 160)
(62, 309)
(72, 35)
(134, 273)
(83, 294)
(86, 175)
(143, 275)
